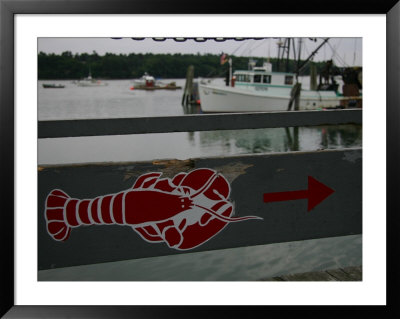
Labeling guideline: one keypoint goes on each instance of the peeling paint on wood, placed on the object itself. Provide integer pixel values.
(233, 170)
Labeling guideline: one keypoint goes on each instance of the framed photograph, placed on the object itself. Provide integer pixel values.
(62, 256)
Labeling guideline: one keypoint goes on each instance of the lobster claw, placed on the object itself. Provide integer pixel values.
(215, 190)
(207, 227)
(207, 182)
(209, 192)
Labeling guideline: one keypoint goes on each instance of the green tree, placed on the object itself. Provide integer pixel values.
(122, 66)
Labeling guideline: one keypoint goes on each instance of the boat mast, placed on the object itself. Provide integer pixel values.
(310, 56)
(285, 46)
(230, 71)
(298, 58)
(281, 52)
(287, 55)
(296, 89)
(90, 73)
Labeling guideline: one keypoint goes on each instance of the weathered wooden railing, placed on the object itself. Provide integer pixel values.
(192, 123)
(298, 195)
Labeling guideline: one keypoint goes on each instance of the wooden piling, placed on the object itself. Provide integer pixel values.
(187, 94)
(295, 97)
(313, 77)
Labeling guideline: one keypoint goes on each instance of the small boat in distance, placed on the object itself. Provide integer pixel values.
(90, 82)
(149, 83)
(53, 86)
(145, 81)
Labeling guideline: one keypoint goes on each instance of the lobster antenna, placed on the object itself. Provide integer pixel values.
(228, 219)
(206, 185)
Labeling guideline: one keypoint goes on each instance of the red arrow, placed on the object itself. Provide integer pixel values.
(315, 194)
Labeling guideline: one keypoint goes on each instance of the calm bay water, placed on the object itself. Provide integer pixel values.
(249, 263)
(117, 100)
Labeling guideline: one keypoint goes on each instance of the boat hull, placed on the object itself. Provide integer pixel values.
(53, 86)
(91, 84)
(231, 99)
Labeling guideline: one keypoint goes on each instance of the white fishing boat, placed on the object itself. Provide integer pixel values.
(90, 82)
(259, 89)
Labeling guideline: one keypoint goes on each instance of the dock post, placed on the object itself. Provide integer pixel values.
(313, 76)
(295, 97)
(186, 98)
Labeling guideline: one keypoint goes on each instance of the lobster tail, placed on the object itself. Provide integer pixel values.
(62, 213)
(54, 214)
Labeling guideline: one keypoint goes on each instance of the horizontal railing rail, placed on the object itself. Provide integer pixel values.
(191, 123)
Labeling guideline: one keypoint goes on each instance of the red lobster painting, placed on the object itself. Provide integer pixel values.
(184, 212)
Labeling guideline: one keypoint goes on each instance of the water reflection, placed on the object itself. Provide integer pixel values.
(283, 139)
(342, 135)
(192, 109)
(286, 139)
(292, 138)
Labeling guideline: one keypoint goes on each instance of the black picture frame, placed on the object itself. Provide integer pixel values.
(8, 10)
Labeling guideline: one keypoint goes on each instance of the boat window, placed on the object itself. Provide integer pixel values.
(243, 78)
(289, 79)
(257, 78)
(267, 79)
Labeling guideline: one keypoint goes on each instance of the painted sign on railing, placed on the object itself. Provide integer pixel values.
(108, 212)
(184, 212)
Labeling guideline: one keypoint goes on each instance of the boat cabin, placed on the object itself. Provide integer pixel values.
(145, 81)
(263, 76)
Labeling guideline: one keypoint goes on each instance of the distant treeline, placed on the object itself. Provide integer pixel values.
(122, 66)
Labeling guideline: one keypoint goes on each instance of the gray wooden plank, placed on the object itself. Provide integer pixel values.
(310, 276)
(191, 123)
(250, 177)
(273, 279)
(355, 273)
(341, 274)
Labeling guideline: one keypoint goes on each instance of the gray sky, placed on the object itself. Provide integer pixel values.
(344, 51)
